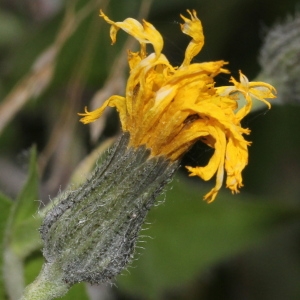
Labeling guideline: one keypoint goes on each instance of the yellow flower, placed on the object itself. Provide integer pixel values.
(169, 108)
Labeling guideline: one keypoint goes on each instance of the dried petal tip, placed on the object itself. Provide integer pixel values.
(193, 28)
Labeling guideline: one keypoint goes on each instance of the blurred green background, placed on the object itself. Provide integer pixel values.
(245, 246)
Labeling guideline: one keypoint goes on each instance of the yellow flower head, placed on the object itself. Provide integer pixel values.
(169, 108)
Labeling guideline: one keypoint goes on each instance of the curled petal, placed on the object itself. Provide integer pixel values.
(215, 164)
(236, 159)
(193, 28)
(144, 33)
(114, 101)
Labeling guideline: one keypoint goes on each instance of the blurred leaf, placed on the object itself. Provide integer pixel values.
(77, 292)
(189, 235)
(26, 204)
(5, 206)
(26, 237)
(11, 28)
(32, 267)
(23, 230)
(21, 236)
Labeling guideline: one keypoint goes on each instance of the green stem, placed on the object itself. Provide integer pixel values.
(48, 285)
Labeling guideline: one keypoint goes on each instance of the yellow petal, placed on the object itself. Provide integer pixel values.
(193, 28)
(235, 161)
(114, 101)
(215, 164)
(144, 33)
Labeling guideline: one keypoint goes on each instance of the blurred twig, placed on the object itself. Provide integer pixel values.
(40, 75)
(61, 141)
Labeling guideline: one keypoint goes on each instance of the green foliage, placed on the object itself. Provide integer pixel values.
(5, 206)
(77, 292)
(22, 231)
(11, 28)
(189, 235)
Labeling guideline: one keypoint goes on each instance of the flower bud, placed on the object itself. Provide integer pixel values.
(280, 60)
(91, 233)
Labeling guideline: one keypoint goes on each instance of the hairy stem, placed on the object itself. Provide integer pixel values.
(48, 285)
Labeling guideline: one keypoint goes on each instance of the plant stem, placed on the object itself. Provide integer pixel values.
(48, 285)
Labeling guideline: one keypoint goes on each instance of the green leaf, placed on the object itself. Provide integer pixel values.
(77, 292)
(188, 235)
(21, 234)
(5, 206)
(26, 237)
(26, 204)
(11, 28)
(23, 231)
